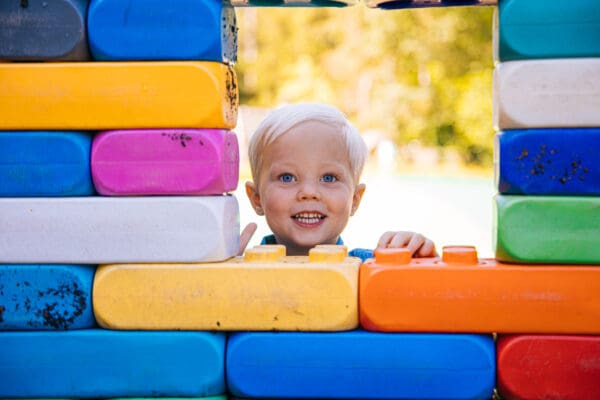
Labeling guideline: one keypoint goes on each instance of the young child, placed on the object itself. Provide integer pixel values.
(306, 161)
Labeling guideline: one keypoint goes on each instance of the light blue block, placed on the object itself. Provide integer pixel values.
(45, 163)
(360, 365)
(46, 297)
(162, 30)
(529, 29)
(100, 363)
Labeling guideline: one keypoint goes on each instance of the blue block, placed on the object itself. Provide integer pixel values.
(551, 162)
(359, 364)
(548, 29)
(100, 363)
(162, 30)
(43, 30)
(39, 163)
(292, 3)
(43, 297)
(400, 4)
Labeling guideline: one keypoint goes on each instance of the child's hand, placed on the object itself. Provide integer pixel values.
(245, 237)
(418, 244)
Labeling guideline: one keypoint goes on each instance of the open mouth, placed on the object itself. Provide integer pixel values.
(309, 218)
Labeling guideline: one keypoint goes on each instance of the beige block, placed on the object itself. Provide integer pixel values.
(547, 93)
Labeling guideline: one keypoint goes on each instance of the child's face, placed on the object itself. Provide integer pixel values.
(306, 187)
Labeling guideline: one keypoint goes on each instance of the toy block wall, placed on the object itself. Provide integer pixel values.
(546, 97)
(119, 152)
(115, 147)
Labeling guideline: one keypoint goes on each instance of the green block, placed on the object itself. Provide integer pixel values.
(548, 29)
(547, 229)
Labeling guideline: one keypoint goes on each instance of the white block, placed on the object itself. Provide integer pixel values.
(549, 93)
(94, 230)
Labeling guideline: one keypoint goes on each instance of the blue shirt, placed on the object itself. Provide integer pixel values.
(363, 254)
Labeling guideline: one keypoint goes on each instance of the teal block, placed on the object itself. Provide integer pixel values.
(547, 229)
(529, 29)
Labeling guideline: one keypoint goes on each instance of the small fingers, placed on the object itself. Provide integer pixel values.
(415, 242)
(418, 244)
(245, 236)
(385, 239)
(427, 249)
(397, 240)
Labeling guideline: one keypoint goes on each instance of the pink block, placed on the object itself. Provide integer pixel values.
(165, 162)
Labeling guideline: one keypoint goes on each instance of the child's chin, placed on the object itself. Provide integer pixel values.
(309, 244)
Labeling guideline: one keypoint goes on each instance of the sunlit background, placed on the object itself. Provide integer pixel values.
(417, 84)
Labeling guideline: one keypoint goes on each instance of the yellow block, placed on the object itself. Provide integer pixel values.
(270, 292)
(111, 95)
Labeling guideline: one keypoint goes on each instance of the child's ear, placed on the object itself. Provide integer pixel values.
(357, 197)
(254, 197)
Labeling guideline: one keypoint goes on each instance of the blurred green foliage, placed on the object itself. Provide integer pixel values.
(417, 75)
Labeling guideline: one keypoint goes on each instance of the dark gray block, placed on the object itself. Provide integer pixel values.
(43, 30)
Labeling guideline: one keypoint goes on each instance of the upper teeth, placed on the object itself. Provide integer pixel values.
(308, 218)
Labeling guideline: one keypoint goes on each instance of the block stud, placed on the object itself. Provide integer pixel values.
(394, 256)
(459, 255)
(264, 254)
(327, 254)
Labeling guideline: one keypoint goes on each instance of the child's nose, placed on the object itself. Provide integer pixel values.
(308, 191)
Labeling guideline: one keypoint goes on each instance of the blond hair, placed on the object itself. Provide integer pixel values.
(283, 119)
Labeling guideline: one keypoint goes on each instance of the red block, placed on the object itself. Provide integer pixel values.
(548, 367)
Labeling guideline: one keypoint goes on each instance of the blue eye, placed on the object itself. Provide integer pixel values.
(287, 178)
(329, 178)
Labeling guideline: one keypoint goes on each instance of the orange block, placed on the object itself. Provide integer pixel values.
(117, 95)
(461, 293)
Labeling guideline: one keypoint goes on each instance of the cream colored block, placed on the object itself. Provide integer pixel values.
(547, 93)
(261, 291)
(93, 230)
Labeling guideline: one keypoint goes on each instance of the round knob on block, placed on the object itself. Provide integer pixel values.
(464, 255)
(333, 246)
(327, 254)
(395, 256)
(279, 247)
(263, 254)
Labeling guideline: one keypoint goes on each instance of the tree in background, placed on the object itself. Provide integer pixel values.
(418, 75)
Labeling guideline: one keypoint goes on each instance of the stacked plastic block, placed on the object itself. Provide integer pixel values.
(427, 322)
(292, 3)
(116, 152)
(349, 363)
(317, 349)
(546, 102)
(400, 4)
(385, 4)
(547, 308)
